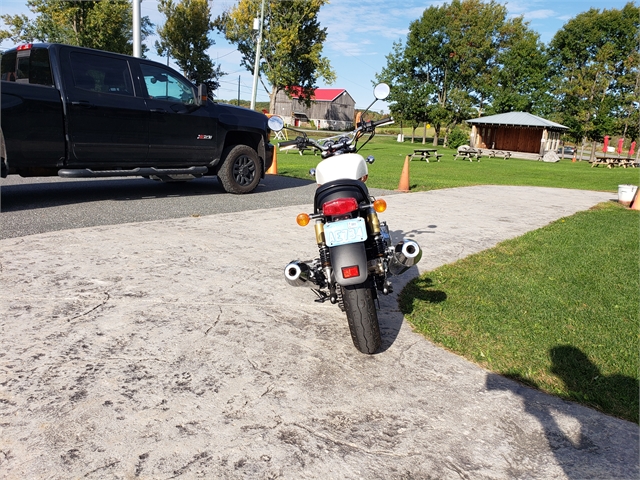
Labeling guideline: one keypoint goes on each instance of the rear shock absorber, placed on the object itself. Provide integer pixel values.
(381, 247)
(374, 230)
(325, 260)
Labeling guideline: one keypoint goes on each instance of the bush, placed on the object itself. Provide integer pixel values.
(456, 138)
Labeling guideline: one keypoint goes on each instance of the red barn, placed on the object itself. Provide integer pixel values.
(330, 108)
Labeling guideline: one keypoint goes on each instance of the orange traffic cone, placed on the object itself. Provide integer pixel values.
(273, 169)
(635, 204)
(403, 186)
(573, 160)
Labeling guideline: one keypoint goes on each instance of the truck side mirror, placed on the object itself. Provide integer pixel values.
(202, 95)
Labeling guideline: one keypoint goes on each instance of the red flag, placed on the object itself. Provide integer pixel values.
(620, 142)
(606, 143)
(633, 146)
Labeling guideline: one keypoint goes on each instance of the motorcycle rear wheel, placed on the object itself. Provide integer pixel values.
(362, 318)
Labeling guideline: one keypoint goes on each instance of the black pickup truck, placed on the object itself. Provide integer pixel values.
(77, 112)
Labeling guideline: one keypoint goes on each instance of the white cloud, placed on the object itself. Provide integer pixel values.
(539, 14)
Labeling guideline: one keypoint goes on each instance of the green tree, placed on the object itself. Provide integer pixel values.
(460, 49)
(409, 96)
(520, 79)
(102, 24)
(291, 49)
(595, 59)
(185, 37)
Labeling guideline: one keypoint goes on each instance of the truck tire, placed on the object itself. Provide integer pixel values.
(362, 317)
(241, 169)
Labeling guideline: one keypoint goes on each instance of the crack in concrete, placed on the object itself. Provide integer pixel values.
(354, 446)
(104, 467)
(102, 304)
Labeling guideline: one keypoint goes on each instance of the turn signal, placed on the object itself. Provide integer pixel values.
(379, 205)
(303, 219)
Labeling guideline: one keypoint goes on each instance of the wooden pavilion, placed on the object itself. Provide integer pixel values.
(517, 132)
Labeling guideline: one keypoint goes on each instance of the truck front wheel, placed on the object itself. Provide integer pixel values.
(241, 169)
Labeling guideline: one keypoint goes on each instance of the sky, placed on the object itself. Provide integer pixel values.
(360, 34)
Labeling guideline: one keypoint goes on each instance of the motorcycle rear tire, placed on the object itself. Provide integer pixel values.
(362, 317)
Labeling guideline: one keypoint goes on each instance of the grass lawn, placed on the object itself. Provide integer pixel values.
(390, 155)
(557, 308)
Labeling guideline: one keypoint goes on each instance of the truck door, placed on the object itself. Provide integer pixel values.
(107, 119)
(180, 132)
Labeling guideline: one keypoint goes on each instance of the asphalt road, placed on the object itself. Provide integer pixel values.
(39, 205)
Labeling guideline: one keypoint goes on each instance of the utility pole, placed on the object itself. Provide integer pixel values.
(257, 64)
(137, 36)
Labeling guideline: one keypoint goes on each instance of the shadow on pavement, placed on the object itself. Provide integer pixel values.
(578, 374)
(28, 194)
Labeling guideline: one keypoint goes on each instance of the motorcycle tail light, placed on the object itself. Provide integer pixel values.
(379, 205)
(303, 219)
(350, 272)
(339, 206)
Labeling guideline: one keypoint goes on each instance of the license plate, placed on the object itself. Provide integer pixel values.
(345, 232)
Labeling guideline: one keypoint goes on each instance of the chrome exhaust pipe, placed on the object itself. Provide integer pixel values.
(405, 255)
(297, 274)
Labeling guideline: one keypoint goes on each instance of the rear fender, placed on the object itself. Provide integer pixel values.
(347, 256)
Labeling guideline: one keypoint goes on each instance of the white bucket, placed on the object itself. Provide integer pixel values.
(626, 194)
(400, 137)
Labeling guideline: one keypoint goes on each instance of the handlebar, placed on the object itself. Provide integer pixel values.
(384, 121)
(289, 143)
(330, 146)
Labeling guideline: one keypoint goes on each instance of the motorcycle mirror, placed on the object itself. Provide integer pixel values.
(275, 123)
(370, 159)
(381, 91)
(312, 172)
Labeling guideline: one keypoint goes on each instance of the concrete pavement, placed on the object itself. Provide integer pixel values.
(175, 349)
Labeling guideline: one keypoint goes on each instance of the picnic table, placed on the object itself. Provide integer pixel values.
(611, 162)
(300, 150)
(425, 154)
(469, 154)
(500, 153)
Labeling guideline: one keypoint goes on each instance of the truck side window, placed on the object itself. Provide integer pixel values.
(8, 67)
(40, 68)
(101, 74)
(27, 66)
(164, 84)
(22, 69)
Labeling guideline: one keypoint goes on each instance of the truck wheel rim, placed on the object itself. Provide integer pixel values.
(244, 170)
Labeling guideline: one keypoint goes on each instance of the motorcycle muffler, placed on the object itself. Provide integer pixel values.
(297, 274)
(405, 255)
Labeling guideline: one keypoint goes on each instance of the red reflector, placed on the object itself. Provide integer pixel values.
(339, 206)
(24, 47)
(350, 272)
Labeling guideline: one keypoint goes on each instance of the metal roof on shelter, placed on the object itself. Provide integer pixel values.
(319, 94)
(517, 119)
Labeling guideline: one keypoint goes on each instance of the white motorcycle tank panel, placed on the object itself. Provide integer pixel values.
(347, 165)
